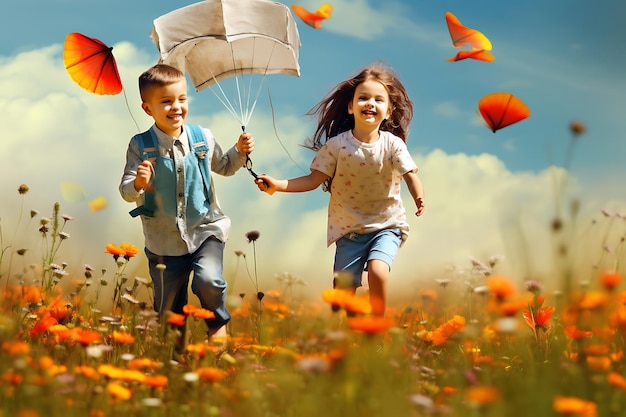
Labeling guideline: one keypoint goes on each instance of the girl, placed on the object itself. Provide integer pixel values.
(362, 158)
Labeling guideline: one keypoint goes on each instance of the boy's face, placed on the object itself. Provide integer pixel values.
(168, 106)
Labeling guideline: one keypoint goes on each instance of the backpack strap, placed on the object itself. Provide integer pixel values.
(148, 149)
(199, 145)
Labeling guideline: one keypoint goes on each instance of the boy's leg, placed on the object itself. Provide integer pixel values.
(169, 284)
(170, 287)
(208, 284)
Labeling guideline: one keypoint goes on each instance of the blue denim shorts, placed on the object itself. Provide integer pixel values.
(354, 251)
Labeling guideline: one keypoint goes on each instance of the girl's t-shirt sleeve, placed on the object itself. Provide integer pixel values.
(325, 160)
(402, 160)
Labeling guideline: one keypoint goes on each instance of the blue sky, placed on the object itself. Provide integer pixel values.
(487, 194)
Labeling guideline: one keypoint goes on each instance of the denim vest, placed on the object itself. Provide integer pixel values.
(167, 198)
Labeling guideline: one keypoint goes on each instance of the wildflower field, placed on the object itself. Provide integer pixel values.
(87, 342)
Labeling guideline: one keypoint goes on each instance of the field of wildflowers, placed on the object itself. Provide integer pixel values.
(480, 344)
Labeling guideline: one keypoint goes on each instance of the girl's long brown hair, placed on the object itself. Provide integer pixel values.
(332, 112)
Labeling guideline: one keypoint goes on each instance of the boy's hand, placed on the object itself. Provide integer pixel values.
(144, 173)
(245, 143)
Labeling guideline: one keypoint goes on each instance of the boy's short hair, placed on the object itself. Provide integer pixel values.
(158, 76)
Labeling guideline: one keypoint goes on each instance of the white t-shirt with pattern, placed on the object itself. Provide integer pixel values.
(366, 183)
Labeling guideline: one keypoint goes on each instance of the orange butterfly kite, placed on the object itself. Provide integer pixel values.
(500, 110)
(462, 35)
(91, 64)
(313, 19)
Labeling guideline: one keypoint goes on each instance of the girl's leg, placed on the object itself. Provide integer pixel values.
(383, 249)
(377, 274)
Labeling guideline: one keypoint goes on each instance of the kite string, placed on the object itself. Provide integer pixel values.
(225, 101)
(276, 133)
(129, 111)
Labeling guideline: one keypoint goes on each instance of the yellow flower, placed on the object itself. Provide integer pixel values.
(119, 391)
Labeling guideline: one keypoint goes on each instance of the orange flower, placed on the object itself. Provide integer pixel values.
(142, 363)
(16, 347)
(575, 333)
(345, 299)
(617, 318)
(155, 381)
(597, 349)
(448, 390)
(123, 338)
(510, 308)
(59, 309)
(599, 363)
(13, 378)
(500, 287)
(617, 380)
(188, 309)
(32, 294)
(43, 325)
(85, 336)
(370, 324)
(574, 406)
(114, 250)
(442, 333)
(46, 362)
(202, 313)
(481, 394)
(130, 251)
(176, 319)
(210, 374)
(276, 306)
(357, 305)
(335, 297)
(199, 348)
(610, 280)
(61, 332)
(593, 300)
(87, 371)
(539, 317)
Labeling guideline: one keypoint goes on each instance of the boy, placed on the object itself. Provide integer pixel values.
(167, 174)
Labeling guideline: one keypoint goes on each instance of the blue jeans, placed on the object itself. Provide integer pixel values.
(170, 288)
(354, 251)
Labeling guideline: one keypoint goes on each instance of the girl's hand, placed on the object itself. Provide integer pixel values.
(266, 184)
(144, 173)
(419, 203)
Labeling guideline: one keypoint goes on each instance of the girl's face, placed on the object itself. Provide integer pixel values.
(370, 104)
(168, 106)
